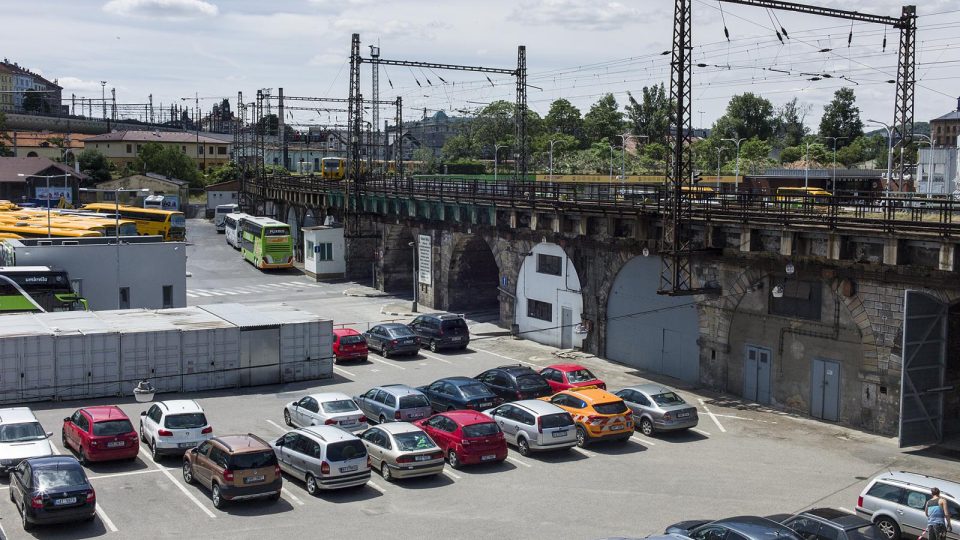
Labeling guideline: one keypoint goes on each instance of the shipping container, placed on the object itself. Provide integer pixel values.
(149, 348)
(210, 348)
(26, 360)
(306, 343)
(87, 355)
(259, 342)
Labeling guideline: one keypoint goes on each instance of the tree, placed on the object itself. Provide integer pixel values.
(228, 171)
(168, 161)
(458, 147)
(563, 118)
(494, 125)
(651, 117)
(425, 156)
(95, 165)
(4, 151)
(789, 123)
(34, 102)
(604, 122)
(748, 116)
(754, 155)
(841, 118)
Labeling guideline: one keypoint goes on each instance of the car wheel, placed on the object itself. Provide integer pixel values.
(286, 417)
(450, 408)
(385, 472)
(217, 498)
(382, 420)
(364, 359)
(384, 352)
(82, 458)
(646, 426)
(275, 497)
(463, 347)
(888, 527)
(142, 438)
(453, 459)
(153, 452)
(581, 437)
(311, 484)
(433, 345)
(63, 440)
(23, 519)
(187, 472)
(523, 446)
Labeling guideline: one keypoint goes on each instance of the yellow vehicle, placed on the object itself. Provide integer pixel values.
(27, 229)
(333, 168)
(598, 414)
(802, 194)
(10, 236)
(169, 224)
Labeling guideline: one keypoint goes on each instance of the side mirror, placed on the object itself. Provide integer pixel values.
(279, 442)
(67, 419)
(143, 413)
(193, 450)
(49, 434)
(296, 405)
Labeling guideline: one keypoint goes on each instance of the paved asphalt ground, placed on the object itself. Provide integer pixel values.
(740, 460)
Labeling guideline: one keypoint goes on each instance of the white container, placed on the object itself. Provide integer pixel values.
(87, 354)
(149, 349)
(306, 343)
(210, 348)
(26, 360)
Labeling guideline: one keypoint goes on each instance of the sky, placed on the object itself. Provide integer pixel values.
(576, 49)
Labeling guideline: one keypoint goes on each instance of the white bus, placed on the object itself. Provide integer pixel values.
(233, 227)
(220, 212)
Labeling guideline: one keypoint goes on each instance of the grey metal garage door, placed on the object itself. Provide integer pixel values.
(924, 364)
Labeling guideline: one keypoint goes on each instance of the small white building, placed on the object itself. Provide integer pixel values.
(549, 303)
(222, 193)
(324, 251)
(938, 171)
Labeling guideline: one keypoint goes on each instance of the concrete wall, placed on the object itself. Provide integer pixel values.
(216, 198)
(560, 292)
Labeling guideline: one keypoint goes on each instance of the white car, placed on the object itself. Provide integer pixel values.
(330, 408)
(173, 427)
(21, 437)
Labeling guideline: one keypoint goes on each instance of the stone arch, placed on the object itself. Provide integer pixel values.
(32, 154)
(473, 274)
(310, 219)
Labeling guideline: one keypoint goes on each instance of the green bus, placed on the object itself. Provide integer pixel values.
(49, 288)
(266, 243)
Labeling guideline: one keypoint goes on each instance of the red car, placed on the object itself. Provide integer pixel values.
(348, 344)
(102, 433)
(562, 377)
(466, 437)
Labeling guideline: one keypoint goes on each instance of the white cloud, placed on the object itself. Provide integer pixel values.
(391, 28)
(329, 58)
(74, 84)
(581, 14)
(166, 9)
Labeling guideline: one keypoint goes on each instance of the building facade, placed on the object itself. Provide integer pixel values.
(122, 147)
(945, 130)
(222, 193)
(6, 89)
(21, 81)
(63, 147)
(156, 184)
(937, 171)
(23, 179)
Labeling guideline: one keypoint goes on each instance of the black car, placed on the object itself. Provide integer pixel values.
(831, 524)
(441, 331)
(454, 393)
(515, 382)
(392, 339)
(52, 490)
(735, 528)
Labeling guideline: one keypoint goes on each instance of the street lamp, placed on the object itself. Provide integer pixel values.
(929, 141)
(496, 153)
(835, 139)
(623, 148)
(552, 142)
(612, 149)
(719, 151)
(65, 177)
(416, 274)
(889, 129)
(736, 180)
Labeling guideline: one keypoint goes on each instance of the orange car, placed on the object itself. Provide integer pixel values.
(598, 414)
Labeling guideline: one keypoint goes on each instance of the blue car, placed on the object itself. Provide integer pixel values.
(52, 490)
(454, 393)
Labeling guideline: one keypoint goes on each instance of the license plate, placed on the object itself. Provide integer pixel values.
(61, 502)
(351, 468)
(407, 342)
(115, 444)
(186, 445)
(617, 427)
(486, 404)
(488, 458)
(683, 415)
(348, 423)
(417, 415)
(456, 339)
(560, 433)
(421, 458)
(253, 479)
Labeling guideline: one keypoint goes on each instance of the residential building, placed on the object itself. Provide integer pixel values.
(45, 144)
(24, 81)
(430, 133)
(155, 184)
(6, 88)
(22, 180)
(222, 193)
(945, 130)
(938, 171)
(122, 147)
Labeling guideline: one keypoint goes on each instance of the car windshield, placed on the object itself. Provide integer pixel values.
(400, 332)
(253, 460)
(613, 407)
(450, 324)
(54, 479)
(28, 431)
(480, 430)
(580, 375)
(339, 406)
(556, 420)
(185, 421)
(414, 401)
(474, 391)
(345, 450)
(112, 427)
(414, 440)
(867, 532)
(668, 398)
(351, 340)
(527, 382)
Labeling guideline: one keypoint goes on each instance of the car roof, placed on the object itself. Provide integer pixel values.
(460, 381)
(178, 406)
(345, 332)
(592, 395)
(393, 325)
(324, 397)
(327, 434)
(844, 520)
(566, 367)
(239, 444)
(53, 462)
(754, 526)
(467, 418)
(442, 316)
(100, 413)
(947, 487)
(395, 428)
(650, 388)
(515, 369)
(399, 390)
(16, 415)
(537, 406)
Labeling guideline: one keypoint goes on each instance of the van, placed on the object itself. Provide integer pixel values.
(220, 213)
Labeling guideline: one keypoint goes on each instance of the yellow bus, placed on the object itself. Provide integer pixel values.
(169, 224)
(10, 236)
(26, 229)
(802, 194)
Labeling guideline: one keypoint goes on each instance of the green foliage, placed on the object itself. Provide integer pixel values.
(223, 173)
(791, 154)
(656, 151)
(431, 165)
(4, 151)
(604, 122)
(754, 155)
(494, 125)
(168, 161)
(564, 119)
(748, 116)
(34, 102)
(465, 166)
(789, 123)
(841, 118)
(651, 116)
(95, 165)
(459, 147)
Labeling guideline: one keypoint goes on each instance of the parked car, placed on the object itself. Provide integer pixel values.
(452, 393)
(598, 414)
(402, 450)
(173, 427)
(329, 408)
(441, 331)
(392, 339)
(101, 433)
(535, 425)
(234, 468)
(831, 524)
(895, 502)
(52, 490)
(394, 403)
(734, 528)
(466, 437)
(348, 344)
(323, 457)
(515, 382)
(658, 408)
(21, 437)
(565, 376)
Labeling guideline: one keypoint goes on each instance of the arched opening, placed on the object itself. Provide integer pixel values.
(396, 268)
(473, 277)
(309, 220)
(642, 329)
(293, 220)
(32, 154)
(549, 302)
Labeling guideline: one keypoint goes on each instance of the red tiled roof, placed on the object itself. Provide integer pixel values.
(10, 167)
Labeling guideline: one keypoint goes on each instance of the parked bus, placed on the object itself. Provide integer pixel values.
(10, 236)
(50, 288)
(232, 224)
(171, 225)
(26, 229)
(266, 243)
(220, 212)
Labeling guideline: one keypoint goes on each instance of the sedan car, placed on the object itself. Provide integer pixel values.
(565, 376)
(515, 382)
(466, 437)
(329, 408)
(658, 408)
(392, 339)
(101, 433)
(402, 450)
(394, 403)
(735, 528)
(831, 524)
(454, 393)
(535, 425)
(52, 490)
(21, 437)
(348, 344)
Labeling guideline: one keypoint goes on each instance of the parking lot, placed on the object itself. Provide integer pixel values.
(739, 460)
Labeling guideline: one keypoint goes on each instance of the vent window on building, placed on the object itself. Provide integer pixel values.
(539, 310)
(549, 264)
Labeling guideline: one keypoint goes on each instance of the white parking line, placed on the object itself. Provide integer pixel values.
(106, 520)
(643, 441)
(372, 484)
(451, 474)
(518, 462)
(583, 451)
(384, 362)
(3, 531)
(191, 295)
(345, 372)
(276, 425)
(700, 431)
(712, 416)
(435, 357)
(292, 497)
(182, 488)
(200, 293)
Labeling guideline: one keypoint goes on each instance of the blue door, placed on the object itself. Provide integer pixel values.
(825, 390)
(756, 375)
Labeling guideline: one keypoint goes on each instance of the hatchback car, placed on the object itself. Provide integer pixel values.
(101, 433)
(441, 331)
(330, 408)
(895, 502)
(348, 344)
(735, 528)
(234, 468)
(454, 393)
(831, 524)
(402, 450)
(392, 339)
(52, 490)
(658, 408)
(466, 437)
(323, 457)
(535, 425)
(173, 427)
(394, 403)
(598, 414)
(21, 437)
(515, 382)
(565, 376)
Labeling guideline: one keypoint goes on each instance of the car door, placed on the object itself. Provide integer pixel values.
(553, 378)
(83, 425)
(710, 532)
(913, 516)
(377, 443)
(629, 398)
(497, 381)
(284, 451)
(437, 394)
(367, 403)
(508, 421)
(416, 327)
(434, 428)
(297, 453)
(201, 464)
(382, 405)
(153, 420)
(954, 510)
(20, 483)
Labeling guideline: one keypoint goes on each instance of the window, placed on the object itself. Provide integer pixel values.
(109, 196)
(916, 500)
(199, 149)
(324, 251)
(709, 533)
(221, 150)
(886, 492)
(549, 264)
(539, 310)
(211, 151)
(801, 300)
(167, 296)
(183, 149)
(124, 297)
(129, 148)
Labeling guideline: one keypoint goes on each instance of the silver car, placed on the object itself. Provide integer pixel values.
(895, 503)
(533, 425)
(402, 450)
(21, 437)
(394, 403)
(323, 457)
(328, 408)
(658, 408)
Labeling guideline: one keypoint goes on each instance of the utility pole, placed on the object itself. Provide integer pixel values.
(103, 97)
(719, 152)
(806, 168)
(834, 176)
(737, 141)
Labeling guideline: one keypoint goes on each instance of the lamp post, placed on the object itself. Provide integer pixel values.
(612, 149)
(116, 228)
(929, 141)
(736, 180)
(835, 139)
(623, 150)
(552, 142)
(889, 154)
(806, 168)
(496, 153)
(719, 152)
(47, 177)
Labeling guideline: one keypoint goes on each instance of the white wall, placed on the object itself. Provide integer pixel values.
(312, 238)
(216, 198)
(559, 291)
